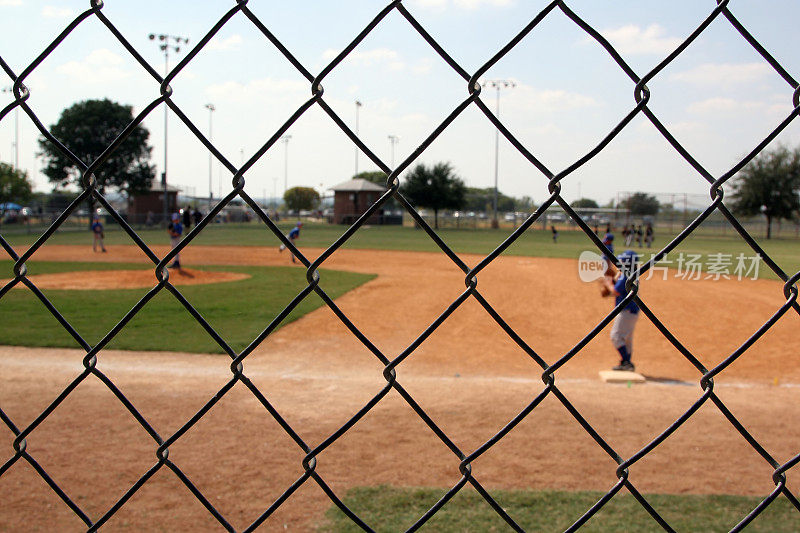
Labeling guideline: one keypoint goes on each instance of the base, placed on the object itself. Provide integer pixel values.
(621, 376)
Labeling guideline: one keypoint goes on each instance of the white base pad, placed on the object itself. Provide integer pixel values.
(621, 376)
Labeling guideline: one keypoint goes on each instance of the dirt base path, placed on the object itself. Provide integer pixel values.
(125, 279)
(469, 377)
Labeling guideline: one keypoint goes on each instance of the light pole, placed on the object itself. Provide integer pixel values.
(393, 139)
(358, 106)
(497, 84)
(285, 141)
(165, 47)
(211, 110)
(16, 129)
(275, 193)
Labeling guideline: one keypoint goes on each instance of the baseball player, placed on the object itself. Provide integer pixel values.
(608, 240)
(625, 322)
(175, 230)
(97, 232)
(293, 235)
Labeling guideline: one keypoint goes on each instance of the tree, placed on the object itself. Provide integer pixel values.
(14, 187)
(525, 203)
(436, 187)
(483, 199)
(378, 177)
(586, 203)
(298, 198)
(769, 185)
(640, 204)
(87, 129)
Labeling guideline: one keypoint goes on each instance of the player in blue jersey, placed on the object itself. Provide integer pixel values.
(611, 271)
(625, 322)
(175, 230)
(608, 240)
(98, 234)
(293, 235)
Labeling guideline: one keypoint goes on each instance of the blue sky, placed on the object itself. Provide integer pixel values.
(719, 98)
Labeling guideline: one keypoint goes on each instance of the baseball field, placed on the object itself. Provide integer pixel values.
(469, 376)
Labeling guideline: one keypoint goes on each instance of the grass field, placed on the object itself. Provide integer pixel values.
(237, 310)
(396, 509)
(535, 242)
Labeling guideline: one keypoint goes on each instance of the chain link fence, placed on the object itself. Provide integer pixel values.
(716, 207)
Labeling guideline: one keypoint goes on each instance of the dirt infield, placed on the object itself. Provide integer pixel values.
(126, 279)
(469, 376)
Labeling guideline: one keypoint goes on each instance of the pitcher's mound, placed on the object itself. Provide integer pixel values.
(126, 279)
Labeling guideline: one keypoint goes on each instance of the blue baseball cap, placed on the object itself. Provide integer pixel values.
(628, 258)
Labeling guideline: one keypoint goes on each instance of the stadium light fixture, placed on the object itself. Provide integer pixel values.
(166, 47)
(497, 84)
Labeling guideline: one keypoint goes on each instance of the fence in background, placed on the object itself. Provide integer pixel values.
(462, 459)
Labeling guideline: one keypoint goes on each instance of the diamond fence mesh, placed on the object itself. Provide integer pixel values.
(464, 458)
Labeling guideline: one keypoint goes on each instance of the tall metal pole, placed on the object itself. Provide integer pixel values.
(393, 139)
(164, 174)
(497, 84)
(165, 47)
(16, 129)
(285, 140)
(358, 105)
(211, 110)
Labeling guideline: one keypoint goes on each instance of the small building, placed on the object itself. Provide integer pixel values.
(149, 207)
(352, 198)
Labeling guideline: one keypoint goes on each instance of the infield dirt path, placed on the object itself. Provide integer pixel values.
(468, 376)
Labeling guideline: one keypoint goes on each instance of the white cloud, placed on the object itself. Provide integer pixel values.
(731, 106)
(10, 3)
(53, 12)
(544, 100)
(475, 4)
(100, 66)
(263, 90)
(723, 73)
(633, 40)
(231, 43)
(687, 127)
(423, 66)
(369, 58)
(440, 5)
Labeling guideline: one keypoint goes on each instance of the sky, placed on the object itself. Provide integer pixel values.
(719, 98)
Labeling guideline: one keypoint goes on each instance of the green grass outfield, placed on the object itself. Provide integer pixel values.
(396, 509)
(535, 242)
(238, 310)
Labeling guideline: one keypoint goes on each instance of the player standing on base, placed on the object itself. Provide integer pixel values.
(625, 322)
(175, 230)
(292, 236)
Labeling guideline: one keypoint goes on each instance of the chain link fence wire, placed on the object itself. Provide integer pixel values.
(162, 443)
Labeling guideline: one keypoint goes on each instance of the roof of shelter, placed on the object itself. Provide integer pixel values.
(358, 185)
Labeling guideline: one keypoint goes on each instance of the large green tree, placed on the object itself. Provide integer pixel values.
(298, 198)
(640, 203)
(14, 187)
(587, 203)
(477, 199)
(435, 187)
(769, 185)
(378, 177)
(86, 129)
